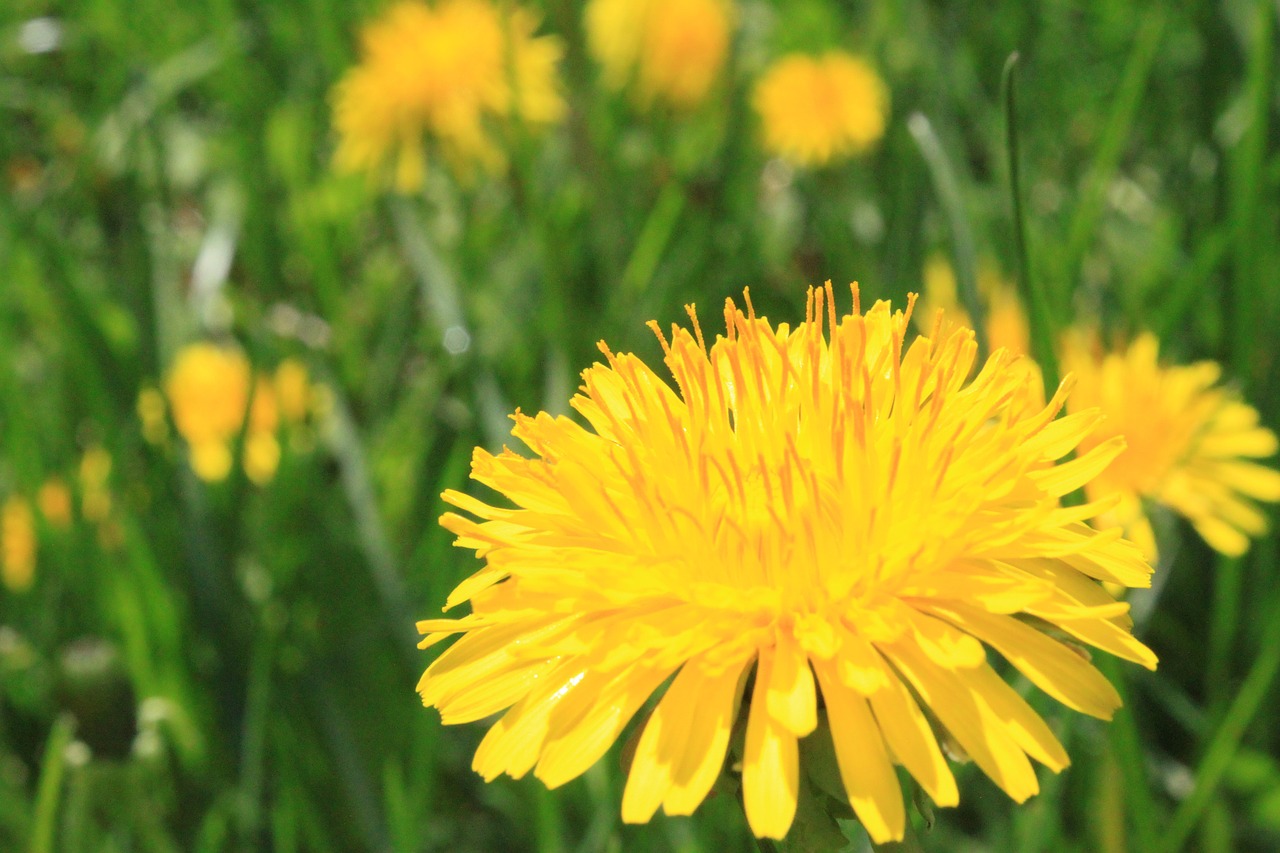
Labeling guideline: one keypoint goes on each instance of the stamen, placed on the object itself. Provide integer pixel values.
(911, 304)
(657, 330)
(831, 306)
(692, 310)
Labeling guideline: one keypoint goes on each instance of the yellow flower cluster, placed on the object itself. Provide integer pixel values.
(1191, 443)
(17, 544)
(671, 50)
(19, 539)
(214, 397)
(815, 110)
(1006, 322)
(54, 500)
(445, 72)
(850, 518)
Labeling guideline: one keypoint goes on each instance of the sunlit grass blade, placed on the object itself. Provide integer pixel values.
(49, 789)
(1249, 234)
(947, 187)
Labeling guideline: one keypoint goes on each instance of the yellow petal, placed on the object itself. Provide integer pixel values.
(1255, 481)
(865, 767)
(791, 698)
(907, 732)
(584, 727)
(1222, 537)
(859, 665)
(513, 743)
(945, 645)
(979, 730)
(770, 767)
(1255, 442)
(682, 748)
(493, 694)
(704, 749)
(1051, 666)
(1066, 478)
(1061, 436)
(1026, 726)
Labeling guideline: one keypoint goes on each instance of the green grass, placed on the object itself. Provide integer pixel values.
(240, 662)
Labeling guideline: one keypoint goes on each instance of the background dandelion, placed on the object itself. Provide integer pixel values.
(814, 110)
(668, 50)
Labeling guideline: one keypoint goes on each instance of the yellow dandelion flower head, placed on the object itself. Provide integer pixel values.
(261, 447)
(293, 390)
(845, 516)
(672, 50)
(213, 396)
(1191, 442)
(817, 109)
(1006, 322)
(151, 412)
(208, 388)
(17, 544)
(443, 72)
(54, 500)
(95, 492)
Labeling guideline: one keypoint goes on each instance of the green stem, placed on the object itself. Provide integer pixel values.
(49, 793)
(1227, 580)
(1126, 747)
(1249, 230)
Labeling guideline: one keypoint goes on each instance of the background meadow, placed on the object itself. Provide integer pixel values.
(228, 664)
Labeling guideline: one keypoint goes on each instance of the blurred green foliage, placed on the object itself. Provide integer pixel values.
(226, 667)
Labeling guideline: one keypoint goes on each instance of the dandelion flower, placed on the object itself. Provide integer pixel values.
(95, 496)
(293, 390)
(672, 50)
(1190, 440)
(445, 72)
(209, 390)
(848, 518)
(54, 500)
(151, 412)
(816, 110)
(17, 544)
(1006, 322)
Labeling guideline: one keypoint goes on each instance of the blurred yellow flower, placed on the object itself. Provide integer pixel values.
(17, 544)
(151, 411)
(819, 500)
(54, 500)
(95, 497)
(293, 390)
(446, 72)
(261, 447)
(1006, 322)
(815, 110)
(1190, 442)
(672, 50)
(209, 389)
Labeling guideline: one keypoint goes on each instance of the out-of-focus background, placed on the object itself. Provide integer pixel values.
(236, 372)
